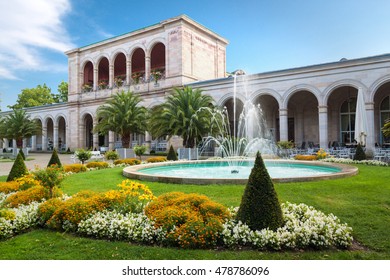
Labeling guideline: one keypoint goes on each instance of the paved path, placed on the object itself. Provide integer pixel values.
(38, 159)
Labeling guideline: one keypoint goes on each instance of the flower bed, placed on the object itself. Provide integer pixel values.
(173, 219)
(351, 161)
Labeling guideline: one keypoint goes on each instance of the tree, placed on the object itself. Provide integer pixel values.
(260, 206)
(83, 155)
(123, 115)
(171, 154)
(180, 115)
(30, 97)
(18, 169)
(386, 128)
(18, 125)
(54, 159)
(140, 150)
(62, 95)
(359, 154)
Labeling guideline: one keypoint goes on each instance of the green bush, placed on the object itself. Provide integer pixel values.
(111, 155)
(260, 206)
(54, 160)
(22, 153)
(83, 155)
(18, 169)
(140, 150)
(171, 154)
(156, 159)
(75, 168)
(360, 154)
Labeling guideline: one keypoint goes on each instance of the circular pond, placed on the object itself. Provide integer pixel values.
(223, 172)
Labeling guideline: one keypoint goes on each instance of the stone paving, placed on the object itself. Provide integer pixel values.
(36, 159)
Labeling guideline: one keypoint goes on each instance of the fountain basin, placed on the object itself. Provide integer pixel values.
(219, 172)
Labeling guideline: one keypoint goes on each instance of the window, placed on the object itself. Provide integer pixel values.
(347, 121)
(384, 115)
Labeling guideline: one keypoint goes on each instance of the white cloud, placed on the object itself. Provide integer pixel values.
(28, 28)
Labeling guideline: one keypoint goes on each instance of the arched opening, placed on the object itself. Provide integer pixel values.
(381, 113)
(303, 128)
(157, 62)
(270, 112)
(103, 73)
(88, 132)
(138, 66)
(50, 134)
(88, 77)
(229, 105)
(120, 70)
(39, 136)
(62, 134)
(341, 116)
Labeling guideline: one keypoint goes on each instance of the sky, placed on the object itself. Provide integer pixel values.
(263, 35)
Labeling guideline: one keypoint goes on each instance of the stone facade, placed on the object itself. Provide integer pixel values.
(313, 104)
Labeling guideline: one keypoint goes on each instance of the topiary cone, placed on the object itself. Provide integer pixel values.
(18, 169)
(171, 154)
(54, 160)
(260, 206)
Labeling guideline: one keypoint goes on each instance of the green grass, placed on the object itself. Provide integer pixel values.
(363, 201)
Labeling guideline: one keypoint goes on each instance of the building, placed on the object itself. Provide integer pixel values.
(313, 105)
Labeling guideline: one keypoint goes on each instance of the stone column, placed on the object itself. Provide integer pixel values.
(55, 136)
(95, 78)
(95, 136)
(128, 71)
(6, 143)
(323, 126)
(147, 68)
(34, 143)
(370, 139)
(111, 76)
(283, 124)
(44, 137)
(111, 140)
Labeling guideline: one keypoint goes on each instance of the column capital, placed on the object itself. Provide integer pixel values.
(322, 109)
(283, 112)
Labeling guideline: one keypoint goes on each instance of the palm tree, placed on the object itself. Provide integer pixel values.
(18, 125)
(123, 115)
(386, 128)
(180, 115)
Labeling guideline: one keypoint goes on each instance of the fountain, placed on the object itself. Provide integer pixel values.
(236, 150)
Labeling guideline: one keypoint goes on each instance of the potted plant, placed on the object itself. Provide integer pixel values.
(119, 81)
(103, 84)
(87, 87)
(156, 74)
(137, 76)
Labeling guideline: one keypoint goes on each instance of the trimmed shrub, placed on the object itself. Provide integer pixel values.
(75, 168)
(111, 155)
(190, 220)
(50, 178)
(25, 197)
(18, 169)
(128, 161)
(305, 157)
(97, 164)
(359, 154)
(22, 153)
(54, 160)
(7, 187)
(83, 155)
(156, 159)
(171, 154)
(140, 150)
(260, 207)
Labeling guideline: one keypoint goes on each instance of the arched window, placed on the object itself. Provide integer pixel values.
(347, 121)
(88, 77)
(384, 115)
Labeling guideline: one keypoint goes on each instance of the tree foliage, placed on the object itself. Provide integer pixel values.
(180, 115)
(30, 97)
(123, 115)
(171, 154)
(62, 95)
(18, 125)
(386, 128)
(260, 206)
(140, 150)
(359, 154)
(18, 169)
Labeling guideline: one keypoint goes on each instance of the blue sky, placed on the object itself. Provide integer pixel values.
(264, 35)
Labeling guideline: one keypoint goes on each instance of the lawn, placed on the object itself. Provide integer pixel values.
(363, 201)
